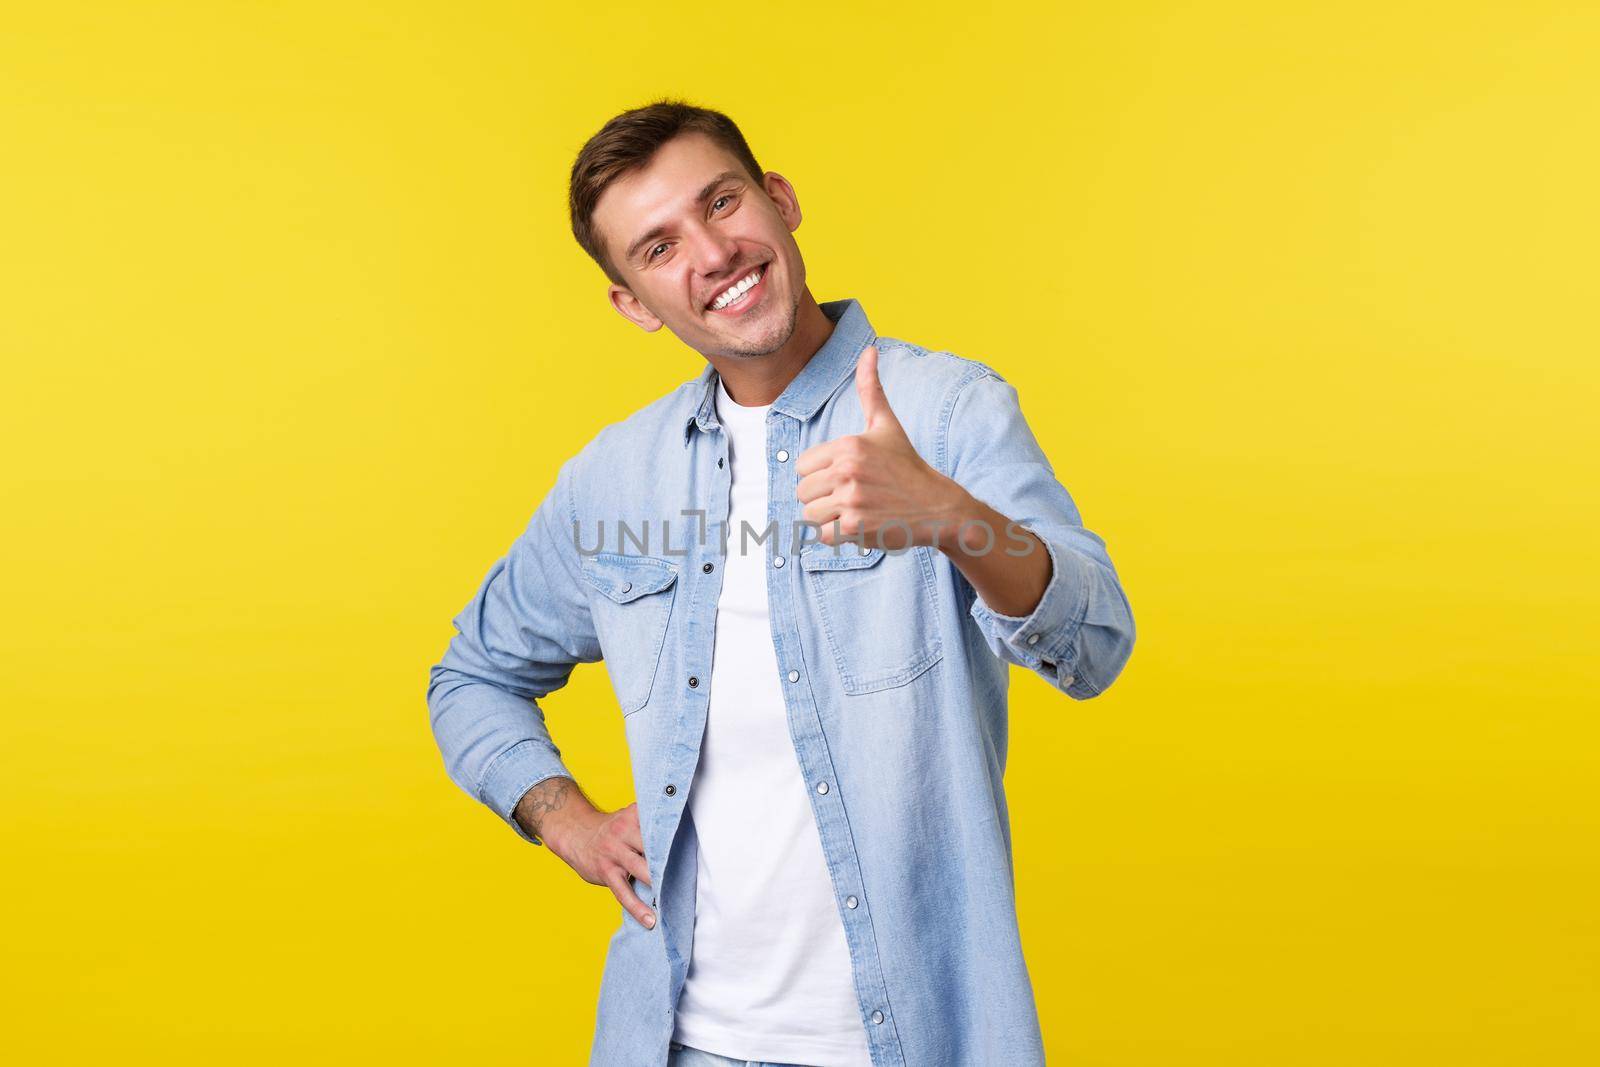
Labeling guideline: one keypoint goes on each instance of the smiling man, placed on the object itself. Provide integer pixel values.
(809, 570)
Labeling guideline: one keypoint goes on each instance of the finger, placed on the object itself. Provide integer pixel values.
(618, 881)
(837, 523)
(817, 484)
(816, 457)
(823, 511)
(874, 401)
(628, 825)
(638, 866)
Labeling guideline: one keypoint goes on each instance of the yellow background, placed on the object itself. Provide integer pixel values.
(1300, 303)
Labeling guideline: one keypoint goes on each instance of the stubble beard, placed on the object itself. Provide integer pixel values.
(782, 336)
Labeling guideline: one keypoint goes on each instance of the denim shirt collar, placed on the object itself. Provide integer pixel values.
(816, 381)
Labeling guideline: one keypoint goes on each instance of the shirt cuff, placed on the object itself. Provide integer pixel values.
(1044, 640)
(514, 772)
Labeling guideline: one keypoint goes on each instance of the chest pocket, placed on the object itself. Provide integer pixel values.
(879, 612)
(630, 618)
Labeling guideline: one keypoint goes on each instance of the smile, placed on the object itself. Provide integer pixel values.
(741, 295)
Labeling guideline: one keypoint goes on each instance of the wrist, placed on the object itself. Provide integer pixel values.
(967, 525)
(550, 809)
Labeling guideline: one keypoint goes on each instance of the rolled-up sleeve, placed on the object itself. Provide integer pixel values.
(1081, 633)
(516, 642)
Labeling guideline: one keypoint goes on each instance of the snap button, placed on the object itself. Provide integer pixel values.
(777, 561)
(706, 567)
(849, 902)
(719, 461)
(671, 790)
(693, 681)
(1033, 639)
(626, 586)
(794, 676)
(1070, 679)
(822, 787)
(783, 454)
(877, 1016)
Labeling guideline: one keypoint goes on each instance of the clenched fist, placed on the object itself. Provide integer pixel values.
(874, 484)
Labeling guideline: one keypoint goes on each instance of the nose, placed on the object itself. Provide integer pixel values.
(714, 251)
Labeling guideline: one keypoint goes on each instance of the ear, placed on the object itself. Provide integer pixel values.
(783, 195)
(629, 307)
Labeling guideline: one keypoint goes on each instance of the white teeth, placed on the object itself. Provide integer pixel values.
(737, 289)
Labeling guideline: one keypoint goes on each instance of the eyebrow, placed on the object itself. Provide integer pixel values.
(700, 198)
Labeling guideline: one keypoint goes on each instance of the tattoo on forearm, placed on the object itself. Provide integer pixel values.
(538, 802)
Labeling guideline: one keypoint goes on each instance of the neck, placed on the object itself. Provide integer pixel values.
(753, 382)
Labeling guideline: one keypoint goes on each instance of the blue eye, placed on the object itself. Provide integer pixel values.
(720, 199)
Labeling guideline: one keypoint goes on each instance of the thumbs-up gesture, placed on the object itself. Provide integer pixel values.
(874, 484)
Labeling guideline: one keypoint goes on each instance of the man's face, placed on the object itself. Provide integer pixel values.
(688, 226)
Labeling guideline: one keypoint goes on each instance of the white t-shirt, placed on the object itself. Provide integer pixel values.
(769, 974)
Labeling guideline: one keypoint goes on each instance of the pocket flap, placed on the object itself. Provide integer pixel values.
(841, 557)
(625, 578)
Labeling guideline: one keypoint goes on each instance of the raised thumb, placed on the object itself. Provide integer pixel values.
(874, 401)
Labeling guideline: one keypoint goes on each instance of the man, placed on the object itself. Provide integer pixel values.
(808, 571)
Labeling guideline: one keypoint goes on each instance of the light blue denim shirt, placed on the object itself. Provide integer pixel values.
(894, 673)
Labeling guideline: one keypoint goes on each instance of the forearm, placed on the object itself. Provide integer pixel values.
(1060, 612)
(1006, 564)
(551, 809)
(494, 742)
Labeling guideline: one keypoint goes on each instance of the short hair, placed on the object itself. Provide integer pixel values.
(626, 144)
